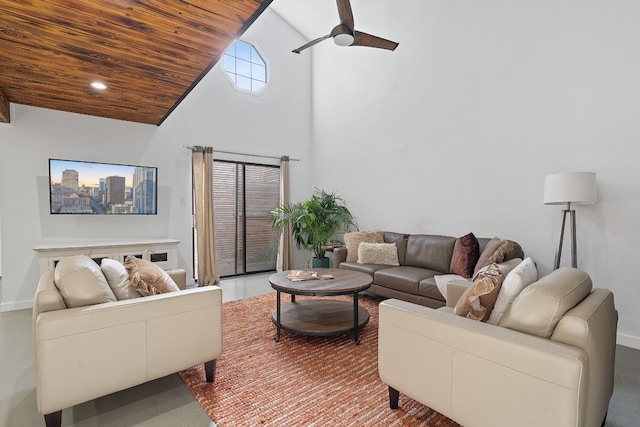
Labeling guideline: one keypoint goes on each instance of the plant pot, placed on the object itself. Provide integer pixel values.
(320, 262)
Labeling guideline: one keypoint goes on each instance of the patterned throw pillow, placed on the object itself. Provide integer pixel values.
(147, 278)
(465, 255)
(477, 302)
(353, 240)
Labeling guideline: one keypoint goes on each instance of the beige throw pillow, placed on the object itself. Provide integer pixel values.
(378, 253)
(352, 241)
(477, 302)
(147, 278)
(81, 282)
(118, 279)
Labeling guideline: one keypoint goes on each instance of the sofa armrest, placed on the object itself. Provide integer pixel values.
(455, 289)
(339, 256)
(123, 343)
(468, 370)
(179, 276)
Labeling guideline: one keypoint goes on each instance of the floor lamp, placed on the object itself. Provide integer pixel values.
(577, 188)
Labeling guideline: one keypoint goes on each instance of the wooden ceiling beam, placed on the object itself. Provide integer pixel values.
(5, 116)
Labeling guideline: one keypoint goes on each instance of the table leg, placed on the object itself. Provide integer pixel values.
(277, 338)
(355, 318)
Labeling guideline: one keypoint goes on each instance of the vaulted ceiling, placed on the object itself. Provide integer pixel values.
(149, 53)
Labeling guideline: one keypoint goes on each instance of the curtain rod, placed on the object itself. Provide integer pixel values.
(240, 154)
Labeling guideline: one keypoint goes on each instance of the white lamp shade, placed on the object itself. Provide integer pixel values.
(578, 188)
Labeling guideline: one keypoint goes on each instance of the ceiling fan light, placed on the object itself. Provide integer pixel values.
(343, 39)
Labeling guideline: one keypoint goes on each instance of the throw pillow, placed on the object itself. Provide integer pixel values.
(477, 302)
(353, 240)
(118, 279)
(147, 278)
(488, 250)
(81, 282)
(500, 254)
(505, 267)
(519, 278)
(466, 252)
(378, 253)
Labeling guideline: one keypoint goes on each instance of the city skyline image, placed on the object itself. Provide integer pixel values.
(78, 187)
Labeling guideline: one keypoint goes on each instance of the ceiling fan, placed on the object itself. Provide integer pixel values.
(345, 34)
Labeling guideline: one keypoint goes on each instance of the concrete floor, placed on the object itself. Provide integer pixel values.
(168, 402)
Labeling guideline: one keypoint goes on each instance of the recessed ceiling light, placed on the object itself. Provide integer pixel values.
(98, 85)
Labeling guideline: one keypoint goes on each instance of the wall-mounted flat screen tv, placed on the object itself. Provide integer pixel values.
(93, 188)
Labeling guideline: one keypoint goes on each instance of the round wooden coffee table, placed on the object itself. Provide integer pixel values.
(320, 317)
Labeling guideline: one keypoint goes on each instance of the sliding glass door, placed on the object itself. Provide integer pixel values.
(244, 196)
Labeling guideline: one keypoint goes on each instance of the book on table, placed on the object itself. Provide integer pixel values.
(300, 275)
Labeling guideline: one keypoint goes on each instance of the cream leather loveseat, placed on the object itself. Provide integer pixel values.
(549, 361)
(85, 352)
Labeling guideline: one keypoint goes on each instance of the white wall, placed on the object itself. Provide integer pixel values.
(456, 130)
(214, 114)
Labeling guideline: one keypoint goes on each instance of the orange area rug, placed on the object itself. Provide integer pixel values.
(300, 381)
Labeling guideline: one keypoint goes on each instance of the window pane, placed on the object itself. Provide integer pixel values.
(256, 58)
(262, 196)
(257, 85)
(243, 51)
(243, 82)
(229, 64)
(243, 68)
(258, 72)
(225, 215)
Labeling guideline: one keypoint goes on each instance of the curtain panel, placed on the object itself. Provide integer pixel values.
(284, 261)
(202, 164)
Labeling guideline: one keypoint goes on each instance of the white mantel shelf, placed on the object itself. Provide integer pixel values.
(163, 252)
(101, 244)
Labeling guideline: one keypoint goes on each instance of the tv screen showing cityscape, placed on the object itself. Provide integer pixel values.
(92, 188)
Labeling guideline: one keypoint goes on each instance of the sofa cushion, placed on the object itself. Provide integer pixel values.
(81, 282)
(466, 252)
(403, 278)
(400, 240)
(524, 274)
(370, 269)
(540, 306)
(147, 278)
(428, 288)
(430, 252)
(118, 279)
(378, 253)
(478, 300)
(352, 241)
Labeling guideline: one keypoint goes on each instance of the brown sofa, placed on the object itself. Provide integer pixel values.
(421, 257)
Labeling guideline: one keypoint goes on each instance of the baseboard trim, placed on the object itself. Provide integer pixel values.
(13, 306)
(628, 341)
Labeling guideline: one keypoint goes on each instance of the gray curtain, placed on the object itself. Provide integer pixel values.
(284, 260)
(202, 163)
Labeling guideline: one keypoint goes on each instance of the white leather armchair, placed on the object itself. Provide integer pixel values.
(550, 361)
(86, 352)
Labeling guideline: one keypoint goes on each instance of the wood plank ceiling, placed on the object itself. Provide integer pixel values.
(149, 53)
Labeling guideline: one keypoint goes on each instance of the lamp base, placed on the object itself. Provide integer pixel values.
(572, 214)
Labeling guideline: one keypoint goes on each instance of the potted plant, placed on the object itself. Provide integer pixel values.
(314, 221)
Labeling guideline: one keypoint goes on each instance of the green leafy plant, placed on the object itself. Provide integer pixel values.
(315, 220)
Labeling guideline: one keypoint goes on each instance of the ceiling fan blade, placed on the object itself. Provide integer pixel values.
(346, 14)
(364, 39)
(311, 43)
